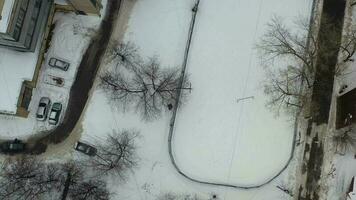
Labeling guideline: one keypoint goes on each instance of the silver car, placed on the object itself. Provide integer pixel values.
(43, 108)
(58, 63)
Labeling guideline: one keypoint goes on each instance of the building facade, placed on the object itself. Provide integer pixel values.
(22, 23)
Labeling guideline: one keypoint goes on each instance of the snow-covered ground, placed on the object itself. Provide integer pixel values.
(216, 138)
(71, 37)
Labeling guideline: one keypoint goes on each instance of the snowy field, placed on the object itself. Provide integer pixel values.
(216, 138)
(71, 37)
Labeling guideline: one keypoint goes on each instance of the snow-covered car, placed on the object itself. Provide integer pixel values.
(55, 113)
(42, 109)
(58, 63)
(15, 146)
(85, 148)
(54, 80)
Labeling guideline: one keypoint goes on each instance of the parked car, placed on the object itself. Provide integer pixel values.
(55, 113)
(15, 146)
(58, 63)
(54, 80)
(42, 109)
(85, 148)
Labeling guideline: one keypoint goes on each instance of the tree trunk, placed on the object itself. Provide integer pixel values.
(66, 186)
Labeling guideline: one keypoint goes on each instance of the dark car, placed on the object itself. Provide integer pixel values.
(15, 146)
(85, 148)
(55, 113)
(58, 63)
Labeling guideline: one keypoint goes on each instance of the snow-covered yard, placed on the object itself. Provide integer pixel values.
(216, 137)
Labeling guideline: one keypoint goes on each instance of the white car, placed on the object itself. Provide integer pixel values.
(42, 109)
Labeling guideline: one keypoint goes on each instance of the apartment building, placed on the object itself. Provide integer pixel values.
(22, 22)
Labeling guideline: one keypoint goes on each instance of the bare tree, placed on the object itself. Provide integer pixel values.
(71, 176)
(348, 47)
(287, 86)
(148, 88)
(89, 190)
(28, 178)
(125, 54)
(283, 89)
(75, 184)
(347, 52)
(280, 42)
(299, 49)
(117, 154)
(25, 178)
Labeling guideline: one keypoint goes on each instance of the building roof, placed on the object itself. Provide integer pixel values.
(15, 67)
(5, 13)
